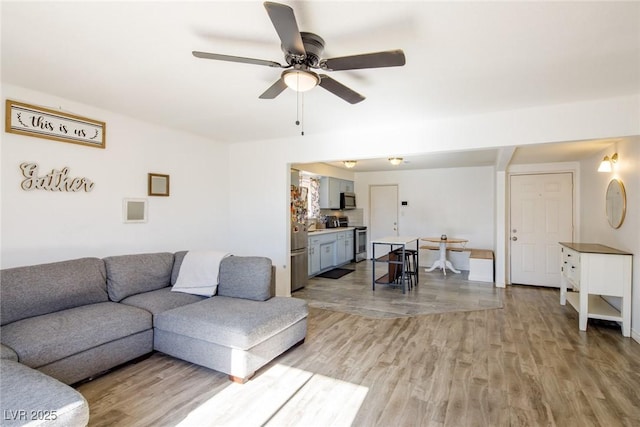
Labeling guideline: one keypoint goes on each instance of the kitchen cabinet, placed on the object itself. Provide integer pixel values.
(344, 247)
(349, 243)
(327, 255)
(330, 189)
(340, 248)
(330, 248)
(314, 255)
(594, 272)
(346, 186)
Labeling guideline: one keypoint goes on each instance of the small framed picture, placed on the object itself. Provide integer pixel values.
(134, 210)
(158, 185)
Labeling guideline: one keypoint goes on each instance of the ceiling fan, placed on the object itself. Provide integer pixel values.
(303, 54)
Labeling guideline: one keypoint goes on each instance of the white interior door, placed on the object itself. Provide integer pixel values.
(383, 211)
(541, 216)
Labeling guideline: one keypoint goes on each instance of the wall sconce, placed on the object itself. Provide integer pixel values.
(349, 163)
(606, 165)
(395, 161)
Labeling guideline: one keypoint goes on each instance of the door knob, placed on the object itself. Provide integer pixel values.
(514, 238)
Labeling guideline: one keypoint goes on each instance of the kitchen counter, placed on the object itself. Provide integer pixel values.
(329, 248)
(330, 230)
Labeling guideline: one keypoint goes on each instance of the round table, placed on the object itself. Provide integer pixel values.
(443, 262)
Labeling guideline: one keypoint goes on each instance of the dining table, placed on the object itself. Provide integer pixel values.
(442, 262)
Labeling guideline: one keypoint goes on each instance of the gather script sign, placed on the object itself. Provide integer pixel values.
(56, 180)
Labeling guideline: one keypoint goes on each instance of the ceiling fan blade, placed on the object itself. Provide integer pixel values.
(389, 58)
(230, 58)
(338, 89)
(275, 89)
(284, 21)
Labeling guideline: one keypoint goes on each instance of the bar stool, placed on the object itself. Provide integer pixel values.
(411, 264)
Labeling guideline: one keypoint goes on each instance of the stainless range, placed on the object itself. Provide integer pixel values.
(360, 246)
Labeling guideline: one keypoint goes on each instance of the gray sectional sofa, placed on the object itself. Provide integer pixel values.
(64, 322)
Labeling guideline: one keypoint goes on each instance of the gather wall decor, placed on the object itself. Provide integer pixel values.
(40, 122)
(56, 180)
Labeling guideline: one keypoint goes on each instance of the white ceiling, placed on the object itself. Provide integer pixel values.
(463, 58)
(529, 154)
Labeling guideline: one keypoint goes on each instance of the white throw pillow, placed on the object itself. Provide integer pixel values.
(199, 272)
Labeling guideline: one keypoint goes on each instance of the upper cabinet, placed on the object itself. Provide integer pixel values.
(346, 186)
(330, 189)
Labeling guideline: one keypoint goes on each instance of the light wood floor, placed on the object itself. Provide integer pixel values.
(525, 364)
(435, 293)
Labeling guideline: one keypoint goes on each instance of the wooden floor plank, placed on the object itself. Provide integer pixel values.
(523, 364)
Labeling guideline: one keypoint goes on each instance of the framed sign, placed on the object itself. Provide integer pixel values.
(158, 185)
(40, 122)
(134, 210)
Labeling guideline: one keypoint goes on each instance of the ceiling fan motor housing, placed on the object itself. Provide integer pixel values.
(313, 46)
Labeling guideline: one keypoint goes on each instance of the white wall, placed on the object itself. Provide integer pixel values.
(260, 200)
(458, 202)
(594, 226)
(41, 226)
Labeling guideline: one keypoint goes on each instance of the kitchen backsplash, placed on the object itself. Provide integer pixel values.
(356, 216)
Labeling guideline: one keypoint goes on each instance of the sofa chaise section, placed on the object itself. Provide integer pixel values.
(238, 331)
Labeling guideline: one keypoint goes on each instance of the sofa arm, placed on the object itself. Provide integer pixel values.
(247, 277)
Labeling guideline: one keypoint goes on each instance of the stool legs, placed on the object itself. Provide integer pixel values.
(410, 263)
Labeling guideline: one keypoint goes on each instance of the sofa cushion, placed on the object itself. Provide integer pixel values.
(245, 277)
(161, 300)
(44, 339)
(133, 274)
(178, 257)
(45, 288)
(8, 353)
(233, 322)
(32, 398)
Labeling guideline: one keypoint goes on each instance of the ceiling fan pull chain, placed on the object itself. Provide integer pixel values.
(297, 104)
(302, 118)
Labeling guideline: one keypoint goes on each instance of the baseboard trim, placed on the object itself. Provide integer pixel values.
(635, 335)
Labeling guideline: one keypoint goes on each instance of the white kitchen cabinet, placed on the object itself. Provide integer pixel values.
(330, 248)
(314, 255)
(594, 272)
(330, 189)
(340, 248)
(344, 247)
(349, 242)
(346, 186)
(327, 255)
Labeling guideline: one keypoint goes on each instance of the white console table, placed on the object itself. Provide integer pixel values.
(595, 271)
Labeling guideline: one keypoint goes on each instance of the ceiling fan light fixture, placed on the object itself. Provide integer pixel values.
(300, 80)
(349, 163)
(395, 161)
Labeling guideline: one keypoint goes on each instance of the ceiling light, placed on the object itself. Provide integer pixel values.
(395, 161)
(606, 165)
(300, 80)
(349, 163)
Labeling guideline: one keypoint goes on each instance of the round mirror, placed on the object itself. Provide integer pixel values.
(616, 203)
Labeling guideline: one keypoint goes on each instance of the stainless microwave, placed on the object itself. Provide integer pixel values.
(347, 200)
